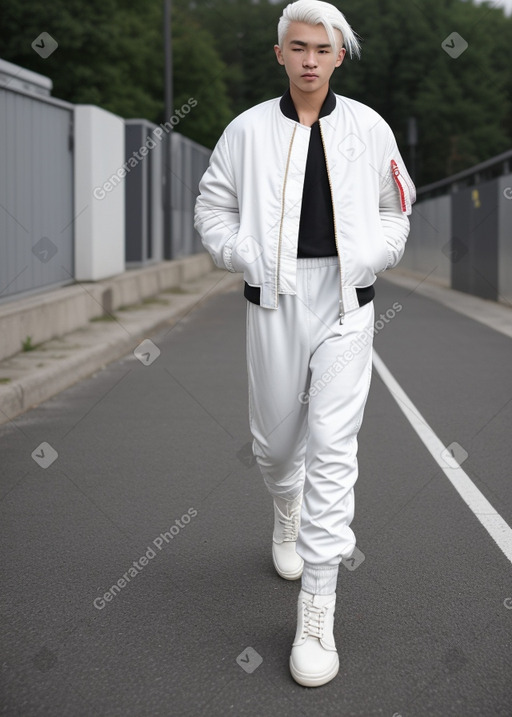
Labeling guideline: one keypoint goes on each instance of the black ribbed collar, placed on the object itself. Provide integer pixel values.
(288, 108)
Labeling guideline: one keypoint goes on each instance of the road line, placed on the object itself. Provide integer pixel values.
(497, 528)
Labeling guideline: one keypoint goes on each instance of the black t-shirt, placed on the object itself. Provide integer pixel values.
(316, 228)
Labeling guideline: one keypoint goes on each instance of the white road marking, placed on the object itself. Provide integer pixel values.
(497, 528)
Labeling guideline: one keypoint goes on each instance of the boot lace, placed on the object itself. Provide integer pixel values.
(314, 618)
(290, 526)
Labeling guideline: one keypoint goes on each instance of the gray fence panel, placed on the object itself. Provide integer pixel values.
(136, 209)
(143, 187)
(461, 230)
(426, 249)
(176, 192)
(156, 209)
(189, 161)
(36, 194)
(505, 238)
(475, 240)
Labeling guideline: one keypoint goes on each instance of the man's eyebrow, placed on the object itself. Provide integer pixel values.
(305, 44)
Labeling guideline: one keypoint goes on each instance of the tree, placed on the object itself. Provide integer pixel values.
(462, 104)
(199, 73)
(110, 54)
(84, 67)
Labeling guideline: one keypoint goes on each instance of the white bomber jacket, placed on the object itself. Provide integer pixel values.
(249, 204)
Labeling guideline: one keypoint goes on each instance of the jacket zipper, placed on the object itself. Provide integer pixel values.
(342, 312)
(278, 267)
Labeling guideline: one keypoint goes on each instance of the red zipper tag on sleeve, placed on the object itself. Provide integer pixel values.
(396, 174)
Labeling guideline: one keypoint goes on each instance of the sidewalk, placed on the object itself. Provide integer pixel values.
(34, 375)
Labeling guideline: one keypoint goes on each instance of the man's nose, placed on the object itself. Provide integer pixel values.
(309, 59)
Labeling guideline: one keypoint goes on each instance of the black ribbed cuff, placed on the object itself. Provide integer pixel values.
(364, 294)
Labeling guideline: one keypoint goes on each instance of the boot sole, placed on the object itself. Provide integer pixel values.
(307, 680)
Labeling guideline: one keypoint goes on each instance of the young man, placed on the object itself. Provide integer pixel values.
(307, 195)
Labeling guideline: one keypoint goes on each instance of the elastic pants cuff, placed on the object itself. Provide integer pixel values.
(319, 580)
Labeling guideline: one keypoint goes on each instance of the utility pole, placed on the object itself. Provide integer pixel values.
(168, 238)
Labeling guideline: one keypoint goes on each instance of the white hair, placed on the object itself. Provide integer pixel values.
(317, 12)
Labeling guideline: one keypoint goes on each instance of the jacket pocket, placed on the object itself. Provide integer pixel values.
(380, 258)
(246, 251)
(381, 264)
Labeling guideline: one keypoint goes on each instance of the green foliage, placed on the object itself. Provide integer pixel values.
(462, 106)
(245, 33)
(83, 68)
(27, 345)
(104, 317)
(199, 73)
(111, 53)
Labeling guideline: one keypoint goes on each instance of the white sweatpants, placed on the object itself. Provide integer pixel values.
(309, 378)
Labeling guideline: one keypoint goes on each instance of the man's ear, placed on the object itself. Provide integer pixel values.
(341, 56)
(279, 54)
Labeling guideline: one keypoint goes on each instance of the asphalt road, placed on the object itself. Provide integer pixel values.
(153, 488)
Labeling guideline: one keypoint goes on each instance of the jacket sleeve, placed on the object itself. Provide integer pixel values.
(397, 195)
(216, 215)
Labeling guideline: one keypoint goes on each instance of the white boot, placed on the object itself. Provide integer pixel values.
(314, 659)
(288, 564)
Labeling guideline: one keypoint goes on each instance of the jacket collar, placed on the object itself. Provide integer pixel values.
(288, 108)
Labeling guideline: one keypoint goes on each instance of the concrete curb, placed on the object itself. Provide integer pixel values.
(50, 314)
(92, 348)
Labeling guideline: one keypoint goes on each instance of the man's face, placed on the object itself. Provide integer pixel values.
(307, 56)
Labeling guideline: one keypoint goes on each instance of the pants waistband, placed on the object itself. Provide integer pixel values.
(353, 297)
(316, 262)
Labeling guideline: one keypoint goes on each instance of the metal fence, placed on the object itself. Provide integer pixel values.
(144, 198)
(36, 192)
(461, 230)
(39, 180)
(189, 161)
